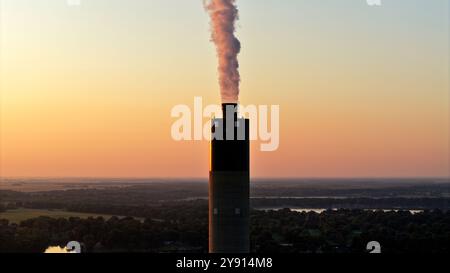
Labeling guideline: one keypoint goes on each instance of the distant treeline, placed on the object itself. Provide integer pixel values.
(186, 230)
(170, 191)
(173, 209)
(353, 203)
(119, 199)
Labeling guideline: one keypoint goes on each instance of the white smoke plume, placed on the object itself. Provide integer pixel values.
(224, 15)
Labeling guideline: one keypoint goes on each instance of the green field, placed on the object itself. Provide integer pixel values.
(18, 215)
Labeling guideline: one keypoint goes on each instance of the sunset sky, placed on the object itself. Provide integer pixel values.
(86, 91)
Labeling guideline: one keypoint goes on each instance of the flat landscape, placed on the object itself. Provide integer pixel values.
(407, 215)
(18, 215)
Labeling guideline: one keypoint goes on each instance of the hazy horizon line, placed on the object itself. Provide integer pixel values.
(206, 178)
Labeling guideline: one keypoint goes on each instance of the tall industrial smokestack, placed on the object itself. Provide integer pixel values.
(229, 175)
(229, 183)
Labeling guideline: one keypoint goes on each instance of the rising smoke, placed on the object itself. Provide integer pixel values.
(224, 14)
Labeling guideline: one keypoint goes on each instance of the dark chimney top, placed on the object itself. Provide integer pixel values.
(230, 107)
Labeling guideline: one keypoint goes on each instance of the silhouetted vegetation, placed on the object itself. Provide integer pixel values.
(176, 217)
(186, 230)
